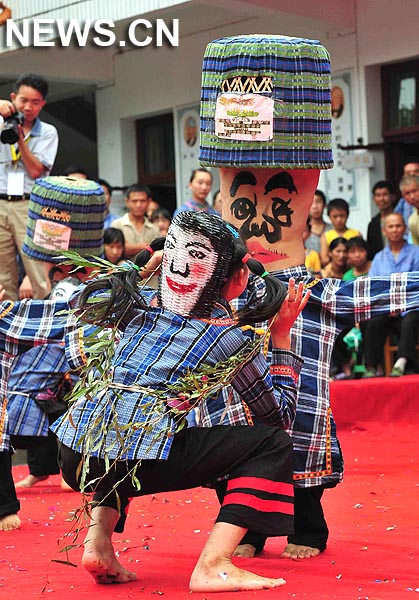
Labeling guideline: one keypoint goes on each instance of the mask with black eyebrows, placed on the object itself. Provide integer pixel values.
(266, 123)
(196, 260)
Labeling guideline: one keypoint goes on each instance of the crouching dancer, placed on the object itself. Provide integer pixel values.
(133, 430)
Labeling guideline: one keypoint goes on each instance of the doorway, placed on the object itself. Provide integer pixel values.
(156, 158)
(400, 94)
(397, 153)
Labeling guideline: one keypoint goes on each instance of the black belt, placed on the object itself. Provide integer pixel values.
(14, 198)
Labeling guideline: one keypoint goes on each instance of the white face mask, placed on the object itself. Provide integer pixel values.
(63, 290)
(189, 261)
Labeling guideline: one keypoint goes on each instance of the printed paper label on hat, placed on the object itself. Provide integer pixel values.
(247, 117)
(52, 236)
(15, 183)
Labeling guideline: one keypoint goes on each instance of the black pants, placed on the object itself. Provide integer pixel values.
(379, 328)
(258, 460)
(43, 459)
(9, 504)
(41, 452)
(341, 353)
(310, 527)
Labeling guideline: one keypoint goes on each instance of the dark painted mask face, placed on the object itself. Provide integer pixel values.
(269, 207)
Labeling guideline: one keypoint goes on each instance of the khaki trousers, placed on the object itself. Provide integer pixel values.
(13, 218)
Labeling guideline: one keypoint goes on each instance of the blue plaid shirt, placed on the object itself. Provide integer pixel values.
(23, 325)
(334, 305)
(157, 348)
(40, 370)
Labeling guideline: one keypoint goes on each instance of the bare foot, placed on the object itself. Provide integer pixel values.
(245, 550)
(9, 522)
(223, 576)
(30, 481)
(100, 561)
(294, 551)
(64, 485)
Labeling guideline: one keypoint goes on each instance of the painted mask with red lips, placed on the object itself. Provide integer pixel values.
(270, 208)
(195, 264)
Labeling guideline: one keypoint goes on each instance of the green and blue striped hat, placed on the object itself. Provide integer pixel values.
(64, 214)
(265, 102)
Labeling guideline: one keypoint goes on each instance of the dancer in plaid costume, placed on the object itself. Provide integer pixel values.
(126, 427)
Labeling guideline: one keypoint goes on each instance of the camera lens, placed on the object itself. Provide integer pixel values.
(9, 134)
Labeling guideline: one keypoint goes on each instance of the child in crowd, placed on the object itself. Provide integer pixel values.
(338, 213)
(358, 262)
(312, 257)
(135, 425)
(161, 217)
(342, 358)
(318, 224)
(114, 245)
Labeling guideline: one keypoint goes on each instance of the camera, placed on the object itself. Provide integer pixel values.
(10, 134)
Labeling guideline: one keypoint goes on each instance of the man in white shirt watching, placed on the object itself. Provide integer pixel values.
(30, 156)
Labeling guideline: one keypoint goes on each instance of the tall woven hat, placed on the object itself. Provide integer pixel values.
(64, 214)
(265, 102)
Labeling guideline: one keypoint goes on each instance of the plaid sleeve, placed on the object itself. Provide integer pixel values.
(270, 391)
(368, 297)
(30, 323)
(74, 348)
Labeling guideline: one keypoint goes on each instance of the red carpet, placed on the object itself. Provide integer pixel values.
(383, 399)
(373, 518)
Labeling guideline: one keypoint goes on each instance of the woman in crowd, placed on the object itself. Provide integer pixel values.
(114, 245)
(336, 267)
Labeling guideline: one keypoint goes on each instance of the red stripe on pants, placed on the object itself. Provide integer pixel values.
(265, 485)
(259, 504)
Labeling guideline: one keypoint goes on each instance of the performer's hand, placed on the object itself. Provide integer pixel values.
(153, 265)
(2, 292)
(293, 304)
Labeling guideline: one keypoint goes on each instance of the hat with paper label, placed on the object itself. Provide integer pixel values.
(64, 214)
(265, 102)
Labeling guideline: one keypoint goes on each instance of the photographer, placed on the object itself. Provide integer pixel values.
(27, 151)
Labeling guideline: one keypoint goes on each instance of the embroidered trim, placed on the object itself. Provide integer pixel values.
(283, 370)
(7, 310)
(81, 346)
(219, 321)
(266, 344)
(314, 282)
(328, 470)
(247, 413)
(258, 330)
(3, 416)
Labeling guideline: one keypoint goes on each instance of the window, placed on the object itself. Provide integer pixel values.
(156, 158)
(400, 98)
(156, 153)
